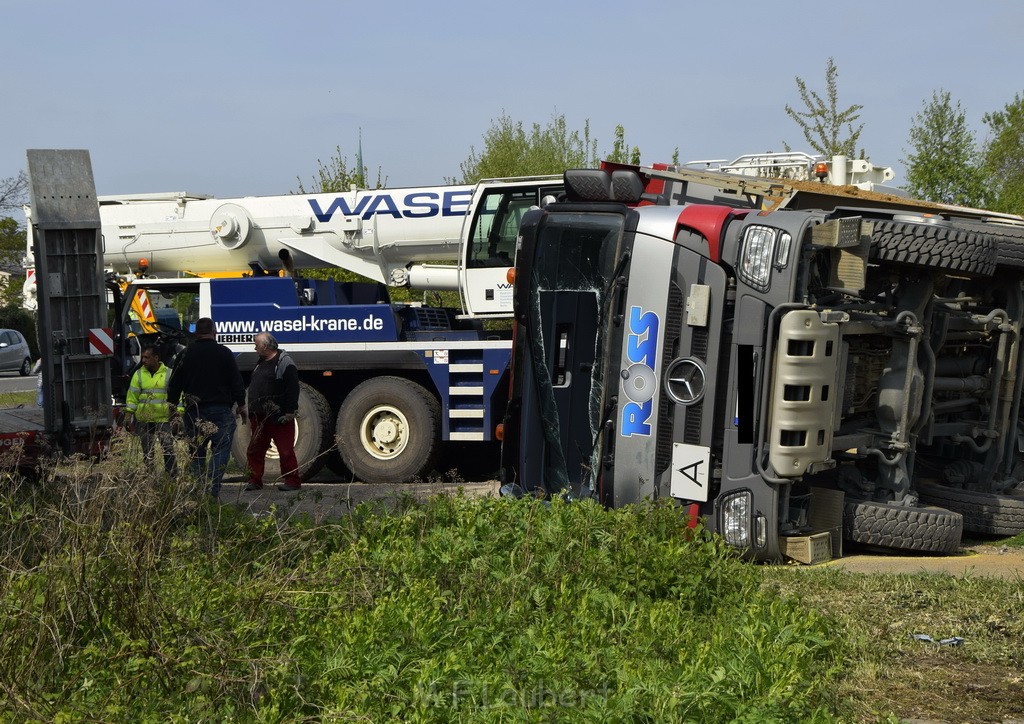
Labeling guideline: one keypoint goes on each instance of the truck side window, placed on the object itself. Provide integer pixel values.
(496, 227)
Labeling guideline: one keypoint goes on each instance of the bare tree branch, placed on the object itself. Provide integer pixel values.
(13, 191)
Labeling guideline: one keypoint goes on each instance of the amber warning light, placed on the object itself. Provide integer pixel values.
(821, 171)
(510, 275)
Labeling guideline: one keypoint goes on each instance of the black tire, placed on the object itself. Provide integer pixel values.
(926, 529)
(988, 513)
(26, 367)
(934, 245)
(1009, 241)
(388, 430)
(314, 434)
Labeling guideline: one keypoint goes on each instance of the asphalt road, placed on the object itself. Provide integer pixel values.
(13, 382)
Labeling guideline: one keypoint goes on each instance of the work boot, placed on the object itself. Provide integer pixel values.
(253, 485)
(289, 487)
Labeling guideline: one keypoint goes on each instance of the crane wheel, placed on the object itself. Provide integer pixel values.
(388, 430)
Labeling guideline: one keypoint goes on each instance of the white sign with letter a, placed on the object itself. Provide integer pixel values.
(691, 472)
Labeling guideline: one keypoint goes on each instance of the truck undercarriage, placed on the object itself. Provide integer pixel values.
(926, 390)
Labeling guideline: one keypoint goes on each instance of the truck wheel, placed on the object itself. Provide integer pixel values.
(934, 245)
(313, 436)
(26, 367)
(931, 530)
(989, 513)
(1009, 241)
(388, 430)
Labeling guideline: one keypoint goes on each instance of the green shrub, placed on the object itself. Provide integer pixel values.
(125, 598)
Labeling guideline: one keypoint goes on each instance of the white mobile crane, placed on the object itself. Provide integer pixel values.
(384, 382)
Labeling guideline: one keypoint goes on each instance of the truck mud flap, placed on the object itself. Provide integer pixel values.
(804, 392)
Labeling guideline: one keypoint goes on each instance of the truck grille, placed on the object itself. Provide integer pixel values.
(695, 413)
(673, 326)
(699, 344)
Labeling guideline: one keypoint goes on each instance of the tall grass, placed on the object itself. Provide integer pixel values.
(126, 596)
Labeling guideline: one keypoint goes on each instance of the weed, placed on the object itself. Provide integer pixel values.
(129, 596)
(889, 671)
(17, 399)
(1016, 541)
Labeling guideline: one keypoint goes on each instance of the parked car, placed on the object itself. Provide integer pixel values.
(14, 353)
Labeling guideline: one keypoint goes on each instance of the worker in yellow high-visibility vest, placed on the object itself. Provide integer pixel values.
(147, 408)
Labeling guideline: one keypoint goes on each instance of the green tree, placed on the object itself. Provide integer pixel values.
(509, 150)
(621, 152)
(336, 176)
(1003, 157)
(13, 193)
(943, 163)
(12, 251)
(828, 129)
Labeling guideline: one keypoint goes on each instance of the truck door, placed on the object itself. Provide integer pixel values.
(565, 300)
(490, 245)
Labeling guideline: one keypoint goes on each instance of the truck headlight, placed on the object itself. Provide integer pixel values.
(762, 247)
(735, 519)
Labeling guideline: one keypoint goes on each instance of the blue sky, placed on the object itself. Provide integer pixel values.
(240, 98)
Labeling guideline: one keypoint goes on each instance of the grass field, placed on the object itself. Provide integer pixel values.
(13, 399)
(887, 673)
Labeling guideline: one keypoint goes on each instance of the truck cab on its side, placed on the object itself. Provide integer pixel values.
(756, 364)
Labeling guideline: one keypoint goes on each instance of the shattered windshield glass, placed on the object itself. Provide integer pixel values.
(577, 259)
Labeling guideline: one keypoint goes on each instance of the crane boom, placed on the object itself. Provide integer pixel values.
(459, 238)
(375, 233)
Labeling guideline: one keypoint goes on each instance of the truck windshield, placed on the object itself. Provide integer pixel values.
(158, 314)
(577, 252)
(570, 291)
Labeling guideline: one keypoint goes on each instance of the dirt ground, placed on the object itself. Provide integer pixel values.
(325, 500)
(976, 558)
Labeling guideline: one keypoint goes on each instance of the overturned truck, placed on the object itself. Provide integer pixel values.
(676, 341)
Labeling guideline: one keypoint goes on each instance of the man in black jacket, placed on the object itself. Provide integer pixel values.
(207, 383)
(273, 399)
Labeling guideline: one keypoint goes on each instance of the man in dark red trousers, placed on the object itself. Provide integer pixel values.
(273, 398)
